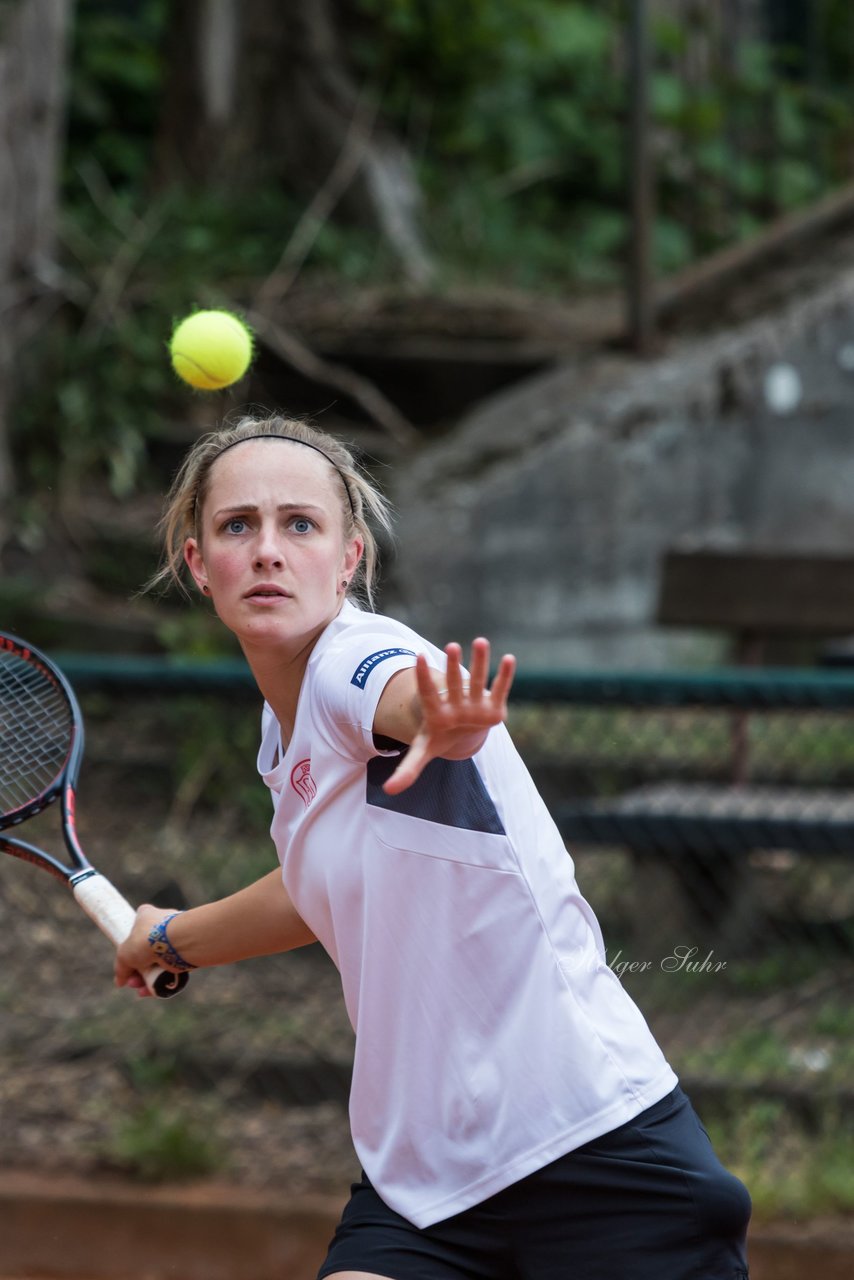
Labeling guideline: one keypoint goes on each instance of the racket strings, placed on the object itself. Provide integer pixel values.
(36, 732)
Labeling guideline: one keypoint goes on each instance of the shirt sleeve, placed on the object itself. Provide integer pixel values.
(350, 680)
(269, 750)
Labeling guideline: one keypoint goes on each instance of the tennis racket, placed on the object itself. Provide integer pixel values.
(41, 747)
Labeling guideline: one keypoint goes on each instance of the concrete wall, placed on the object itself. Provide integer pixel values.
(542, 520)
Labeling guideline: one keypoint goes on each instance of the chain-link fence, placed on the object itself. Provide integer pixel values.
(711, 820)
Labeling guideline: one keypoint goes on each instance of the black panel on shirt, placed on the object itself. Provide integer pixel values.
(449, 792)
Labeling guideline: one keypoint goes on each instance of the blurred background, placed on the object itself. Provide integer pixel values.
(577, 280)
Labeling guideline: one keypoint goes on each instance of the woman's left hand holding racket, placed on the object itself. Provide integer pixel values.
(41, 748)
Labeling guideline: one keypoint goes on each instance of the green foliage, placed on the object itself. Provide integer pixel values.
(519, 110)
(88, 381)
(836, 1019)
(788, 1171)
(216, 742)
(777, 969)
(161, 1142)
(516, 112)
(101, 368)
(195, 634)
(516, 115)
(820, 1054)
(117, 74)
(167, 1135)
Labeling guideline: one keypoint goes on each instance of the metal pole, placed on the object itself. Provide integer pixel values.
(729, 38)
(640, 283)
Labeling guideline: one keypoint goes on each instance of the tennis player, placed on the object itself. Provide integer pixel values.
(512, 1113)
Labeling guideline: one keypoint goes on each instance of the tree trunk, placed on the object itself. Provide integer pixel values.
(258, 89)
(33, 47)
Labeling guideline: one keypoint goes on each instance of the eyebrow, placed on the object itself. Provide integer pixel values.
(241, 507)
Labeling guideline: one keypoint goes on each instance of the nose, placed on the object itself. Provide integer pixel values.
(268, 551)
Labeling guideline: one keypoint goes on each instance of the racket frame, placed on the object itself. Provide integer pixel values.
(96, 895)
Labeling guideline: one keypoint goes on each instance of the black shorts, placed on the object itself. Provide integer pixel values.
(649, 1201)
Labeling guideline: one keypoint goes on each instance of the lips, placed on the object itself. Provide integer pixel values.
(267, 591)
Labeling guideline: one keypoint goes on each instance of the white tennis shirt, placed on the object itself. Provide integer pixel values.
(491, 1036)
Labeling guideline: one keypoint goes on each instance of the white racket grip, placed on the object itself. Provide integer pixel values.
(114, 916)
(103, 903)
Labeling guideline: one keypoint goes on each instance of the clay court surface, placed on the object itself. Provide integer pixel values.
(106, 1229)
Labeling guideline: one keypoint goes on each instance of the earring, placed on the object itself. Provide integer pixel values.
(206, 590)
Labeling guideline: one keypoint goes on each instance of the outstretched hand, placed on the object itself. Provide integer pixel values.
(456, 719)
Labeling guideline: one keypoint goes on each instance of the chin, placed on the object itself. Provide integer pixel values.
(278, 632)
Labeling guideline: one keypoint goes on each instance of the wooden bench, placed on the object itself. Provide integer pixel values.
(757, 597)
(678, 818)
(692, 847)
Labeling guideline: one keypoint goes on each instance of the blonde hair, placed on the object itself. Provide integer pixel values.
(361, 501)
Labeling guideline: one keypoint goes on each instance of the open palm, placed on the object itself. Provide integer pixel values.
(455, 720)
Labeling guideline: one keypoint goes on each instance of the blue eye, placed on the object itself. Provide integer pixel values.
(302, 525)
(235, 525)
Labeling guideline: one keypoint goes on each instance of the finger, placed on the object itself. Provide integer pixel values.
(138, 981)
(427, 690)
(399, 781)
(126, 977)
(479, 666)
(454, 671)
(409, 769)
(503, 678)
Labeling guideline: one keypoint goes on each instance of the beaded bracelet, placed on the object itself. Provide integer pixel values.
(161, 946)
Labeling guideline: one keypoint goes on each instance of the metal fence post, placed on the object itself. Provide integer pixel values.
(640, 287)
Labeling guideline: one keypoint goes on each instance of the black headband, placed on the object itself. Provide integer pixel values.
(274, 435)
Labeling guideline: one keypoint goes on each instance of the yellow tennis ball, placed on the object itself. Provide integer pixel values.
(211, 349)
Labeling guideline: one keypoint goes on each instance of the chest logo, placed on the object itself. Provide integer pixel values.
(302, 781)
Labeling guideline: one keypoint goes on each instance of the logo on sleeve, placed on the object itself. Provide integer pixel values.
(364, 669)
